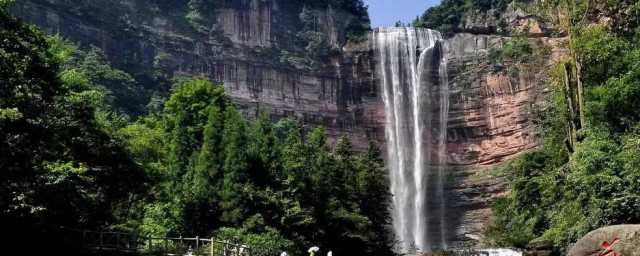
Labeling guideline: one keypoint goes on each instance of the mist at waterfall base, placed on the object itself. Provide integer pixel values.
(412, 73)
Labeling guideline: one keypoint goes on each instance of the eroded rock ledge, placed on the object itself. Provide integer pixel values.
(491, 112)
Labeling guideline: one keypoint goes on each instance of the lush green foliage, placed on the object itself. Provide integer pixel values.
(118, 87)
(312, 46)
(257, 182)
(558, 196)
(517, 49)
(58, 166)
(195, 166)
(202, 13)
(449, 15)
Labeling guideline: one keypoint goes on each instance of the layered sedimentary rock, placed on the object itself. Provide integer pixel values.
(342, 96)
(490, 121)
(490, 112)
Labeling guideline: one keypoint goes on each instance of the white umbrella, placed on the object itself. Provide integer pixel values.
(330, 253)
(314, 249)
(283, 254)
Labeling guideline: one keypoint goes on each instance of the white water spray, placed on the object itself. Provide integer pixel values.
(410, 63)
(442, 145)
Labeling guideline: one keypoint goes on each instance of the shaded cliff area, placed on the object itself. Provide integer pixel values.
(285, 57)
(313, 61)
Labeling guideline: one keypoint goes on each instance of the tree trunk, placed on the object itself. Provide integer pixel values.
(580, 93)
(569, 91)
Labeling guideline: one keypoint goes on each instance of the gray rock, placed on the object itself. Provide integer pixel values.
(592, 244)
(490, 114)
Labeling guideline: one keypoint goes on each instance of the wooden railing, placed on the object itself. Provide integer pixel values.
(142, 245)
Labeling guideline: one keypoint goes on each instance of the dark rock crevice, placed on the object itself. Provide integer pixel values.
(490, 117)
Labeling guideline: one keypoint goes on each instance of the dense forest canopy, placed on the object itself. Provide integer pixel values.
(56, 160)
(79, 146)
(585, 173)
(195, 166)
(449, 15)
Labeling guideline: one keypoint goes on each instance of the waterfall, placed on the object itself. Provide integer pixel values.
(442, 145)
(413, 79)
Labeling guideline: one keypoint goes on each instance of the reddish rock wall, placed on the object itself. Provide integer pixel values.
(491, 113)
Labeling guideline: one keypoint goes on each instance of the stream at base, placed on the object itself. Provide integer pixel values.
(488, 252)
(480, 252)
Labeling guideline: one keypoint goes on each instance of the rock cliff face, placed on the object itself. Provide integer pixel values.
(341, 96)
(490, 121)
(490, 113)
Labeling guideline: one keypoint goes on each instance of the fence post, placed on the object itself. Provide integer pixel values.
(197, 244)
(100, 245)
(166, 245)
(84, 239)
(150, 245)
(212, 245)
(117, 241)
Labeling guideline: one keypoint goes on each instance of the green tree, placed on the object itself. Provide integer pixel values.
(559, 196)
(374, 198)
(57, 166)
(235, 185)
(264, 151)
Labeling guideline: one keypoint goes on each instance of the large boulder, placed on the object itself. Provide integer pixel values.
(623, 240)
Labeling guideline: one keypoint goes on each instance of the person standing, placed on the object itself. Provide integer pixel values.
(312, 251)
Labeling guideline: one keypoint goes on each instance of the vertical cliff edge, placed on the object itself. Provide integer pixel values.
(254, 49)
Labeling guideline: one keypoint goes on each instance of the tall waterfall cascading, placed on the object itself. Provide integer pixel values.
(442, 145)
(413, 78)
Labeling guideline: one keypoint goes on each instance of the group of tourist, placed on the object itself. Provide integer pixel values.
(313, 251)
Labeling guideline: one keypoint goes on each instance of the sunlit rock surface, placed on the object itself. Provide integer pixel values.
(621, 240)
(490, 117)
